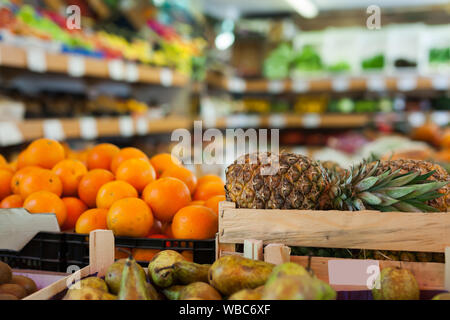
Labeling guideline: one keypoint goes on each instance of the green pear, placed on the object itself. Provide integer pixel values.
(88, 293)
(199, 290)
(248, 294)
(186, 272)
(396, 284)
(442, 296)
(287, 269)
(92, 282)
(293, 287)
(173, 292)
(133, 285)
(161, 269)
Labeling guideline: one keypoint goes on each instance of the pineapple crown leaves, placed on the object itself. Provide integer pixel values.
(360, 188)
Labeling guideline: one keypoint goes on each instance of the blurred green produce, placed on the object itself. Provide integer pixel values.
(339, 67)
(307, 60)
(376, 62)
(276, 65)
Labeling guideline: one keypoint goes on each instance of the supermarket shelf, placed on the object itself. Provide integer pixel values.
(403, 82)
(16, 132)
(80, 66)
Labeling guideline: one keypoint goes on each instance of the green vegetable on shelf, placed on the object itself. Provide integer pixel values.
(339, 67)
(375, 62)
(276, 65)
(439, 55)
(307, 60)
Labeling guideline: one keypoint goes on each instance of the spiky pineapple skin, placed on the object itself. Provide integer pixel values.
(423, 167)
(299, 183)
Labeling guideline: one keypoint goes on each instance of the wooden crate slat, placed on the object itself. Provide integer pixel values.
(403, 231)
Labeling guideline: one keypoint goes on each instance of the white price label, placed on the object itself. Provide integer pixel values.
(416, 119)
(116, 69)
(88, 128)
(407, 83)
(132, 72)
(36, 60)
(300, 86)
(166, 77)
(275, 86)
(142, 126)
(277, 121)
(236, 84)
(53, 129)
(243, 121)
(311, 120)
(10, 134)
(75, 66)
(347, 272)
(440, 82)
(340, 84)
(126, 126)
(376, 84)
(441, 118)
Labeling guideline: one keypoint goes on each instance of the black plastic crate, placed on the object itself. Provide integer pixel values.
(77, 248)
(44, 252)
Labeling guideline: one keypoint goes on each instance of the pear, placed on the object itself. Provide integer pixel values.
(396, 284)
(230, 274)
(88, 293)
(187, 272)
(199, 290)
(442, 296)
(248, 294)
(92, 282)
(161, 268)
(287, 269)
(113, 275)
(173, 292)
(133, 285)
(293, 287)
(153, 294)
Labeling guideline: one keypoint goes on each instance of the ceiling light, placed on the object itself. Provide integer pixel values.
(305, 8)
(224, 40)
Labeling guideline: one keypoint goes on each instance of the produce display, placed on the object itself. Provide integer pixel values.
(14, 287)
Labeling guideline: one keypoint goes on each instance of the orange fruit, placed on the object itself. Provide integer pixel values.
(188, 255)
(183, 174)
(70, 172)
(144, 255)
(18, 176)
(12, 201)
(121, 253)
(197, 202)
(137, 172)
(209, 178)
(112, 191)
(40, 180)
(91, 220)
(213, 203)
(5, 183)
(195, 222)
(100, 156)
(74, 208)
(4, 165)
(46, 202)
(90, 183)
(165, 197)
(130, 217)
(125, 154)
(209, 189)
(445, 139)
(43, 153)
(161, 162)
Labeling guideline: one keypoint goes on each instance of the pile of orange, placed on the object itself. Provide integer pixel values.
(106, 187)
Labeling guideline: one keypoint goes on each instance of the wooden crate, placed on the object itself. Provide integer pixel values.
(101, 256)
(372, 230)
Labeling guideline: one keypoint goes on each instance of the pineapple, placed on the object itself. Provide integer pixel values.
(422, 167)
(301, 183)
(332, 167)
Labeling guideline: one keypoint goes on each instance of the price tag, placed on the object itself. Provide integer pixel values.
(131, 72)
(416, 119)
(242, 121)
(53, 129)
(10, 134)
(441, 118)
(347, 272)
(36, 60)
(300, 86)
(275, 86)
(311, 120)
(277, 121)
(142, 126)
(376, 84)
(75, 66)
(440, 82)
(166, 77)
(407, 83)
(88, 128)
(340, 84)
(236, 84)
(126, 126)
(116, 69)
